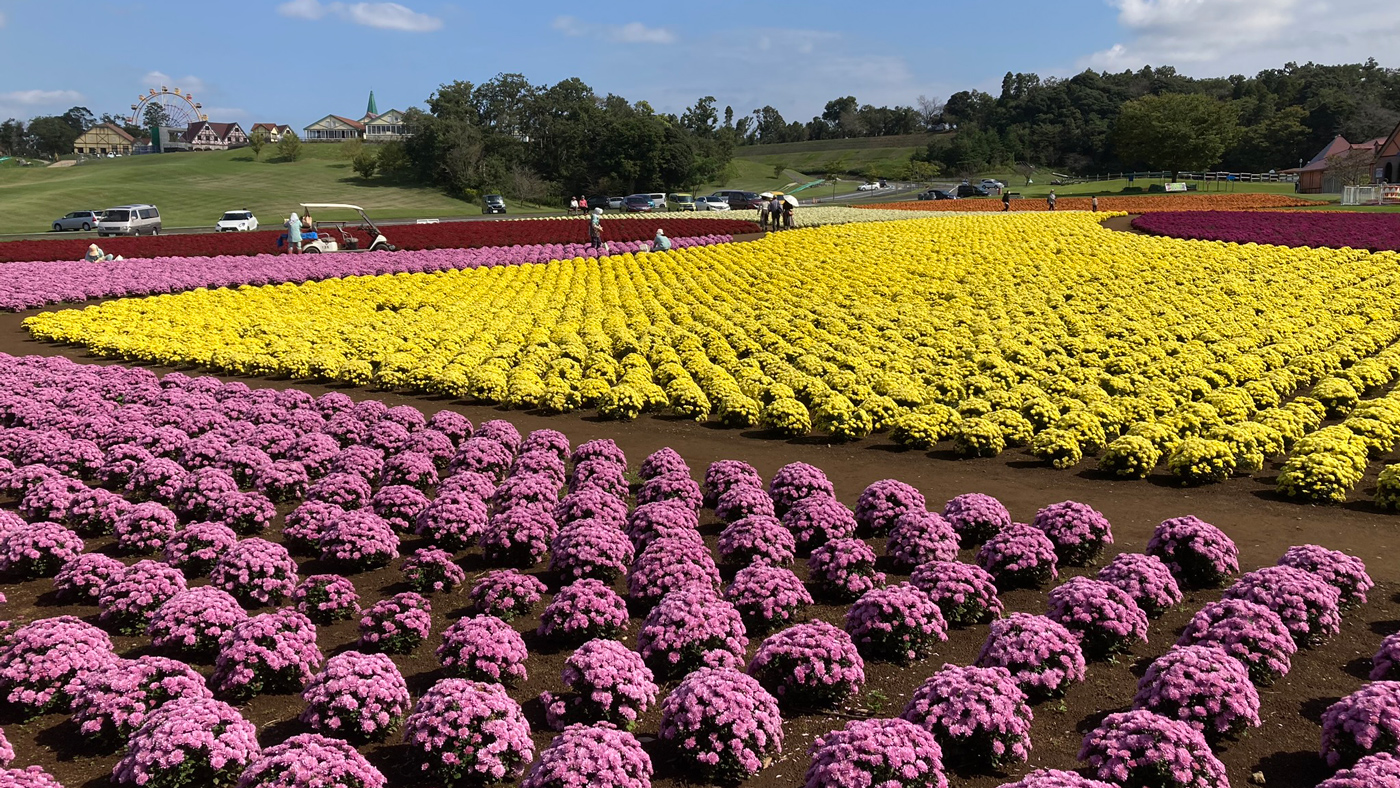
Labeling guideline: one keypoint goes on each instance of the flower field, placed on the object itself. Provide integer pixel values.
(1372, 231)
(224, 585)
(443, 235)
(975, 333)
(31, 284)
(1125, 204)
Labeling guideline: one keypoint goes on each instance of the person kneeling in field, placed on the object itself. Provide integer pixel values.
(661, 243)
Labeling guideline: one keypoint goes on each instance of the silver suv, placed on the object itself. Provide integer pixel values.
(78, 220)
(130, 220)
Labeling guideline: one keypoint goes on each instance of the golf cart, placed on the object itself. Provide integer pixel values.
(323, 235)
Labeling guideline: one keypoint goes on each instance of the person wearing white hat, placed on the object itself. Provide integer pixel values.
(293, 225)
(595, 228)
(660, 243)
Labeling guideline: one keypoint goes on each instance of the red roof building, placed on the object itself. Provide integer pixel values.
(1313, 177)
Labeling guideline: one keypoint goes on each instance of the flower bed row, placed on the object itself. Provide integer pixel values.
(846, 331)
(1373, 231)
(1125, 204)
(31, 284)
(412, 237)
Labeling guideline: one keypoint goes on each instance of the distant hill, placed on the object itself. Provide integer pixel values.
(882, 155)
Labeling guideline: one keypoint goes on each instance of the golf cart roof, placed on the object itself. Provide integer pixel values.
(319, 205)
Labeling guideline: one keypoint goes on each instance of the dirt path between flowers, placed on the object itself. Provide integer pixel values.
(1262, 525)
(1123, 224)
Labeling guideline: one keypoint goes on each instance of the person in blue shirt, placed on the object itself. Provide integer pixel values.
(661, 243)
(595, 228)
(293, 225)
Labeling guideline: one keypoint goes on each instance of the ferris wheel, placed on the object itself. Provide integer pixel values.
(180, 109)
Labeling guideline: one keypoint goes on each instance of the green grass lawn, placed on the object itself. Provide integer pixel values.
(882, 155)
(194, 189)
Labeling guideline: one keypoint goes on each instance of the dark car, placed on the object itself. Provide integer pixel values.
(739, 200)
(638, 203)
(968, 190)
(598, 202)
(493, 203)
(937, 194)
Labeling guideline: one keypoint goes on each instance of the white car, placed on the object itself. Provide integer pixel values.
(237, 222)
(868, 187)
(989, 184)
(711, 204)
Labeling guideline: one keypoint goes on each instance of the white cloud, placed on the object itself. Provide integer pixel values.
(1218, 37)
(384, 16)
(630, 33)
(26, 103)
(187, 84)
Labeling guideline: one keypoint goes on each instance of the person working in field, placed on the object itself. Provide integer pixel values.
(293, 225)
(595, 228)
(660, 243)
(95, 254)
(1050, 201)
(1005, 201)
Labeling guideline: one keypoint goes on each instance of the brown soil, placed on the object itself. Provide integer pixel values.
(1123, 224)
(1263, 527)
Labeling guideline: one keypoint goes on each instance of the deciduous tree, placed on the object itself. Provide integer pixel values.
(1175, 131)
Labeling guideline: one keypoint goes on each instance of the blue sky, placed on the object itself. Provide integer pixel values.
(293, 61)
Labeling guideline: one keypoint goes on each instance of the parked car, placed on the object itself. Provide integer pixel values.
(868, 187)
(599, 202)
(658, 202)
(142, 219)
(968, 190)
(680, 201)
(237, 222)
(711, 204)
(937, 194)
(493, 203)
(616, 202)
(991, 183)
(638, 203)
(78, 220)
(738, 200)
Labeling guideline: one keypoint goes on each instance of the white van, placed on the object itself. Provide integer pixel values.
(130, 220)
(658, 201)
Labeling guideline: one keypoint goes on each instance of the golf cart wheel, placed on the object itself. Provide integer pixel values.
(310, 250)
(379, 248)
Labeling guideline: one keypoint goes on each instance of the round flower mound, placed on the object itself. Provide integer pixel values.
(600, 475)
(360, 540)
(966, 593)
(690, 629)
(82, 579)
(898, 624)
(1203, 687)
(677, 488)
(272, 652)
(725, 475)
(1106, 619)
(192, 622)
(7, 752)
(189, 742)
(467, 732)
(484, 648)
(1306, 603)
(256, 572)
(94, 511)
(305, 524)
(1385, 665)
(1019, 556)
(1380, 770)
(1365, 722)
(195, 548)
(597, 756)
(399, 505)
(978, 715)
(844, 568)
(471, 483)
(668, 564)
(655, 519)
(883, 502)
(358, 697)
(519, 536)
(812, 665)
(37, 550)
(742, 501)
(724, 724)
(795, 482)
(40, 660)
(1078, 530)
(309, 760)
(431, 570)
(506, 594)
(767, 597)
(920, 536)
(129, 599)
(32, 777)
(349, 491)
(591, 548)
(1042, 655)
(1346, 572)
(976, 517)
(818, 519)
(608, 682)
(1144, 578)
(757, 539)
(868, 753)
(326, 599)
(396, 625)
(661, 462)
(1141, 748)
(111, 703)
(411, 468)
(1198, 554)
(1249, 632)
(599, 449)
(583, 610)
(1055, 778)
